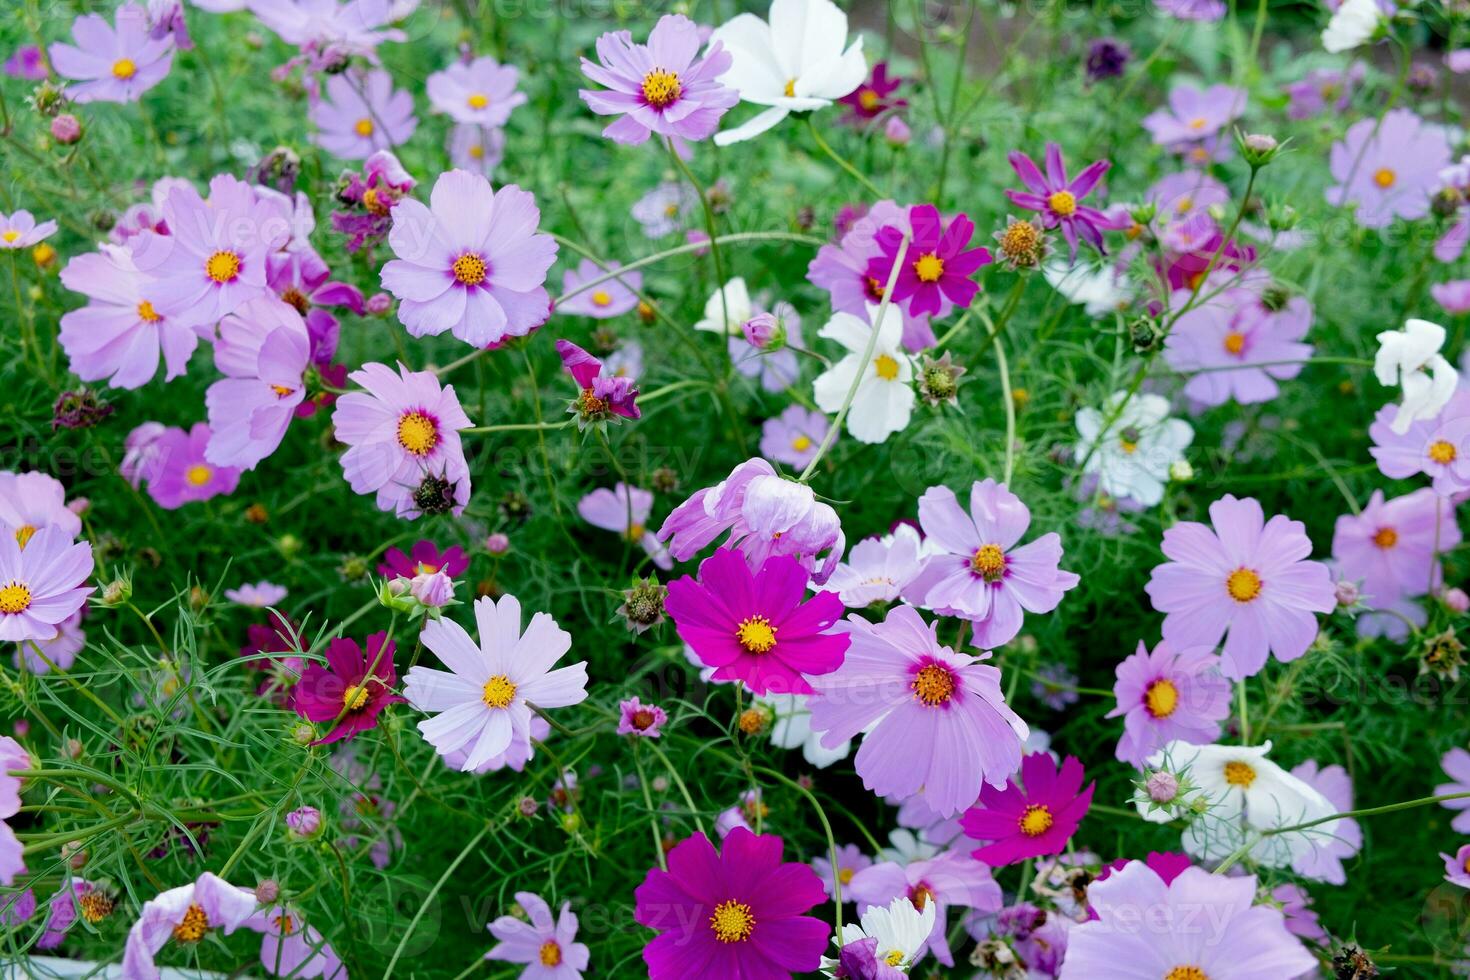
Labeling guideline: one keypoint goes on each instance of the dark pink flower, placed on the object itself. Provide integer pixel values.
(937, 265)
(1033, 819)
(351, 690)
(1059, 200)
(874, 97)
(602, 396)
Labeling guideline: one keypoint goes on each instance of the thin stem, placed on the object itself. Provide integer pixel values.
(854, 172)
(429, 898)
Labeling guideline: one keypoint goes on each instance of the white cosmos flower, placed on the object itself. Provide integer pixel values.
(885, 396)
(1411, 359)
(727, 309)
(793, 63)
(1247, 793)
(1353, 23)
(900, 929)
(1101, 290)
(792, 729)
(1136, 453)
(877, 569)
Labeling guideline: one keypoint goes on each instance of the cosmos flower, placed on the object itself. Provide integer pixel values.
(424, 558)
(263, 350)
(258, 595)
(27, 62)
(1352, 23)
(178, 472)
(471, 263)
(938, 881)
(362, 113)
(850, 860)
(938, 265)
(1392, 548)
(1141, 445)
(643, 720)
(478, 149)
(792, 62)
(1388, 169)
(547, 945)
(624, 510)
(757, 627)
(1194, 114)
(482, 704)
(1322, 90)
(611, 297)
(661, 87)
(793, 436)
(976, 570)
(873, 97)
(936, 722)
(1235, 348)
(290, 947)
(887, 938)
(482, 91)
(43, 584)
(302, 280)
(402, 434)
(1168, 695)
(12, 756)
(20, 230)
(774, 361)
(371, 196)
(1244, 578)
(351, 690)
(1457, 866)
(1203, 10)
(1058, 199)
(727, 309)
(330, 30)
(601, 396)
(665, 209)
(186, 915)
(734, 914)
(879, 569)
(112, 64)
(884, 401)
(1456, 765)
(1410, 358)
(1323, 862)
(30, 501)
(1028, 822)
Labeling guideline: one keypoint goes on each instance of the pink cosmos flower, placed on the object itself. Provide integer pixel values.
(1058, 199)
(1323, 89)
(1244, 578)
(30, 501)
(178, 473)
(186, 915)
(1388, 169)
(1322, 861)
(291, 947)
(1204, 10)
(482, 91)
(43, 584)
(483, 703)
(478, 149)
(1236, 348)
(602, 395)
(1453, 296)
(977, 572)
(1028, 822)
(624, 510)
(874, 97)
(403, 441)
(331, 31)
(946, 879)
(546, 945)
(793, 436)
(850, 860)
(608, 299)
(424, 558)
(20, 230)
(739, 913)
(660, 87)
(937, 266)
(370, 197)
(362, 113)
(27, 62)
(936, 721)
(1456, 765)
(1167, 695)
(756, 627)
(77, 899)
(471, 263)
(258, 595)
(113, 64)
(1437, 447)
(637, 718)
(1457, 866)
(263, 351)
(1195, 114)
(302, 280)
(351, 690)
(775, 365)
(1393, 546)
(879, 569)
(12, 756)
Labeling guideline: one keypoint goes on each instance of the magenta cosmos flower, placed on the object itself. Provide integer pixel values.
(112, 64)
(1244, 578)
(1387, 169)
(20, 230)
(263, 351)
(481, 92)
(873, 97)
(1235, 348)
(1437, 447)
(41, 584)
(178, 472)
(659, 87)
(637, 718)
(483, 703)
(977, 572)
(351, 690)
(424, 558)
(756, 627)
(1393, 546)
(1035, 818)
(119, 334)
(1059, 200)
(937, 265)
(362, 113)
(545, 944)
(1195, 114)
(1244, 941)
(1167, 695)
(610, 297)
(739, 913)
(403, 441)
(624, 510)
(471, 263)
(602, 396)
(936, 721)
(186, 915)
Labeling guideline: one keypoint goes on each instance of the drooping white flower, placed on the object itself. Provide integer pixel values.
(791, 728)
(877, 569)
(727, 309)
(900, 929)
(1133, 457)
(1411, 359)
(1101, 291)
(1353, 23)
(885, 396)
(794, 62)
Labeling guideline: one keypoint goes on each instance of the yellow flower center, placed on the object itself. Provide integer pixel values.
(1183, 205)
(1234, 342)
(1385, 178)
(374, 202)
(661, 88)
(790, 88)
(477, 100)
(844, 875)
(1020, 240)
(469, 269)
(24, 533)
(1161, 698)
(868, 99)
(1036, 820)
(894, 957)
(1186, 973)
(1243, 585)
(11, 235)
(95, 906)
(550, 954)
(933, 685)
(1062, 203)
(282, 390)
(732, 922)
(477, 151)
(885, 367)
(198, 475)
(222, 267)
(1442, 452)
(417, 433)
(500, 691)
(124, 69)
(1127, 445)
(801, 444)
(14, 598)
(363, 127)
(601, 298)
(1386, 538)
(193, 926)
(147, 313)
(929, 267)
(1239, 774)
(756, 634)
(355, 697)
(989, 562)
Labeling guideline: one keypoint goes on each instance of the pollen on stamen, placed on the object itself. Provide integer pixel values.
(363, 127)
(222, 266)
(193, 926)
(1062, 203)
(1385, 538)
(15, 597)
(147, 313)
(1243, 585)
(989, 562)
(933, 685)
(1035, 820)
(1442, 452)
(1385, 178)
(732, 921)
(124, 69)
(499, 692)
(885, 367)
(550, 953)
(756, 634)
(417, 433)
(198, 475)
(801, 444)
(1234, 342)
(601, 298)
(929, 267)
(661, 88)
(477, 100)
(469, 269)
(1239, 774)
(1161, 698)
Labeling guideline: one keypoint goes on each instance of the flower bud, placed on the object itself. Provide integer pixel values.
(118, 591)
(1456, 601)
(304, 823)
(1180, 471)
(497, 543)
(764, 331)
(897, 132)
(267, 891)
(378, 304)
(1162, 786)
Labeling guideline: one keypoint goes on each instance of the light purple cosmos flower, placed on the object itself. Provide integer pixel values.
(879, 569)
(1206, 10)
(113, 64)
(1321, 90)
(1244, 942)
(1453, 296)
(330, 31)
(793, 436)
(936, 721)
(302, 279)
(30, 501)
(624, 510)
(1393, 546)
(1388, 170)
(1194, 114)
(1058, 199)
(850, 860)
(403, 441)
(946, 879)
(1236, 348)
(1185, 194)
(1323, 860)
(546, 945)
(665, 209)
(362, 113)
(39, 656)
(1167, 695)
(186, 915)
(1457, 866)
(471, 263)
(977, 571)
(643, 720)
(20, 230)
(258, 595)
(482, 91)
(478, 149)
(42, 584)
(172, 462)
(263, 350)
(26, 62)
(12, 756)
(1246, 577)
(660, 87)
(291, 947)
(1456, 764)
(608, 299)
(1437, 447)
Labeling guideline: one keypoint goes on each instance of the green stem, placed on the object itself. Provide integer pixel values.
(429, 898)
